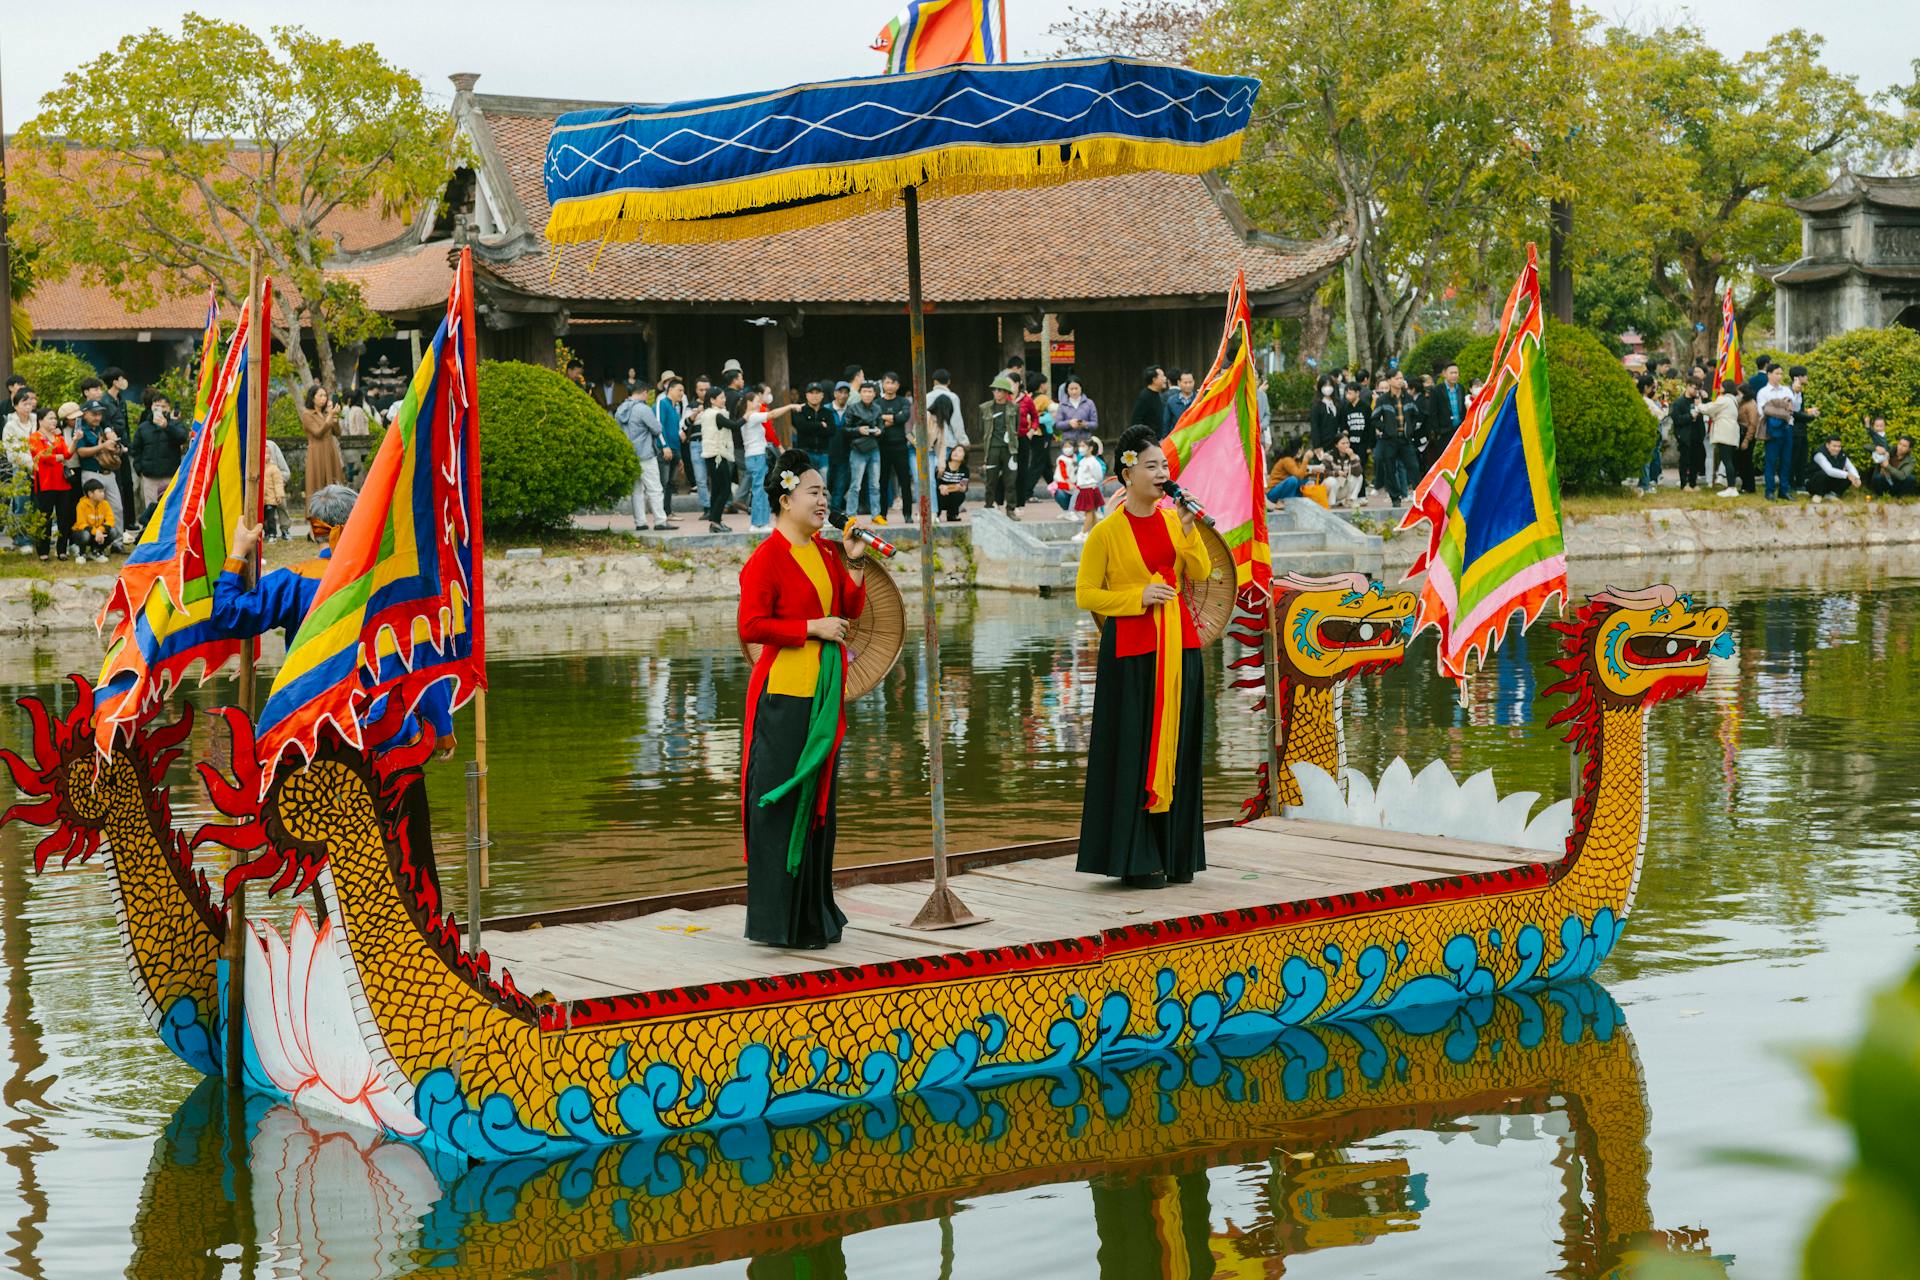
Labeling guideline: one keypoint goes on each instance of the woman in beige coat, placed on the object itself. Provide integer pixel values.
(1723, 437)
(321, 418)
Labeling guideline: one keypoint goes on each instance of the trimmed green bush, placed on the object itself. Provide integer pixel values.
(1434, 352)
(546, 449)
(1751, 358)
(1602, 430)
(1862, 373)
(54, 375)
(283, 418)
(1290, 390)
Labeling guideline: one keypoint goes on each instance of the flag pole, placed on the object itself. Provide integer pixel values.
(255, 419)
(943, 908)
(1273, 705)
(480, 758)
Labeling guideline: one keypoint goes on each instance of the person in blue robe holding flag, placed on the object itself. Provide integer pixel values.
(281, 601)
(285, 595)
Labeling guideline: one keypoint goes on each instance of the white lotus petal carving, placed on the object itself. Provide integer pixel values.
(1320, 796)
(305, 1033)
(1362, 805)
(1551, 828)
(1432, 803)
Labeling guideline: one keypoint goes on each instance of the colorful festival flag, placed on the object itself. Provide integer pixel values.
(1492, 500)
(938, 33)
(399, 608)
(1727, 365)
(1214, 450)
(164, 594)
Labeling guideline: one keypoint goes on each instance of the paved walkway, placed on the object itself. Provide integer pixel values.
(690, 522)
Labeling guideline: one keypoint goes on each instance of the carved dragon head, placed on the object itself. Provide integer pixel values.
(1635, 648)
(1335, 628)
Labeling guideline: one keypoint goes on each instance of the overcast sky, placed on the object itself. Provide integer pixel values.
(663, 50)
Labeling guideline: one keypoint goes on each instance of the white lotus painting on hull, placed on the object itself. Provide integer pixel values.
(1432, 803)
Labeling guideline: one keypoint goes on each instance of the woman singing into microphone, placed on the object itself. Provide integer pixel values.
(796, 599)
(1141, 819)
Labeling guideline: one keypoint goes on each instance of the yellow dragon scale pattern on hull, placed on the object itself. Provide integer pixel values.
(172, 951)
(872, 1178)
(1311, 736)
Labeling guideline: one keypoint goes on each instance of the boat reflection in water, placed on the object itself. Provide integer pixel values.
(1142, 1135)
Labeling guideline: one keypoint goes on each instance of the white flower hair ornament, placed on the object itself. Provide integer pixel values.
(1130, 457)
(789, 482)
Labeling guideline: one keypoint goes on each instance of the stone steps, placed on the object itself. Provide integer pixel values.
(1040, 555)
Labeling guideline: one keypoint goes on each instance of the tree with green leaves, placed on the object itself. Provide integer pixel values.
(162, 167)
(1726, 140)
(1431, 154)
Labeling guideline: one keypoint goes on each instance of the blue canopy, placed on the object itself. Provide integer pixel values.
(754, 164)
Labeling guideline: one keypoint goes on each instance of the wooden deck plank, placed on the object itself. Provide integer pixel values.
(1371, 865)
(888, 907)
(1505, 855)
(1425, 854)
(1032, 900)
(1012, 921)
(1267, 853)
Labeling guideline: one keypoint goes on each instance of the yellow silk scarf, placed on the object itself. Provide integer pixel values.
(1169, 652)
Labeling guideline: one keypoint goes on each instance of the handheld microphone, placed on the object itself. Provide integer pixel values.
(848, 529)
(1187, 500)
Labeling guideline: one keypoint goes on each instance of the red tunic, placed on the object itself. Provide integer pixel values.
(777, 600)
(1138, 634)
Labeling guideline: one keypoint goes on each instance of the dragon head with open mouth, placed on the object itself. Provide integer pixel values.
(1632, 649)
(1337, 627)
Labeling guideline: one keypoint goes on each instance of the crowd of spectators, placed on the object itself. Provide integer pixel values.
(707, 438)
(1763, 435)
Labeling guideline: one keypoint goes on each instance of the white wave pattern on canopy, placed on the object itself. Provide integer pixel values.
(1432, 803)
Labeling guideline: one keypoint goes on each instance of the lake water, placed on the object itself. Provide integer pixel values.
(1535, 1137)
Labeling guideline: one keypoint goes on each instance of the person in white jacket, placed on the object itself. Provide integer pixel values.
(1088, 476)
(19, 426)
(1832, 474)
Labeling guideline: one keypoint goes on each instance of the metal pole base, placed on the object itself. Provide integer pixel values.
(944, 910)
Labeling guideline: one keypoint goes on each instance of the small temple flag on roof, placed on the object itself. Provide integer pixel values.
(1214, 450)
(939, 33)
(164, 594)
(1492, 500)
(399, 608)
(1727, 365)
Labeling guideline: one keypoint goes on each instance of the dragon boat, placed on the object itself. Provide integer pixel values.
(652, 1017)
(1310, 1103)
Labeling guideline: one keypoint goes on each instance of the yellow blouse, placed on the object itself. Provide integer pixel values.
(1113, 574)
(1115, 568)
(795, 672)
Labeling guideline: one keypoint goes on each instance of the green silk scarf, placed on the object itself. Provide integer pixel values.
(823, 724)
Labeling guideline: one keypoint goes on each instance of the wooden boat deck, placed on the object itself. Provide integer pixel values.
(1036, 899)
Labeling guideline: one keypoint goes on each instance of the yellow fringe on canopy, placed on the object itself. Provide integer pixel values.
(726, 211)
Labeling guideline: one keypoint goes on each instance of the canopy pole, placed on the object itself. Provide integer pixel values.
(943, 908)
(235, 942)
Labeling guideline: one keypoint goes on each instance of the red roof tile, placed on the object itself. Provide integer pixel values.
(1147, 235)
(70, 305)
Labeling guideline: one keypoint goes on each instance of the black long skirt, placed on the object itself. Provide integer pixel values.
(786, 910)
(1118, 837)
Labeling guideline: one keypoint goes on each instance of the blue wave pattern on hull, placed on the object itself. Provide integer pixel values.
(1214, 1025)
(1082, 1096)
